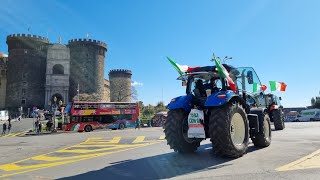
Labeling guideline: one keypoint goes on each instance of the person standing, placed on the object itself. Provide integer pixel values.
(137, 123)
(36, 126)
(9, 128)
(4, 128)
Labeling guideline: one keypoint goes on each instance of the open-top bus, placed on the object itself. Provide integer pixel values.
(88, 116)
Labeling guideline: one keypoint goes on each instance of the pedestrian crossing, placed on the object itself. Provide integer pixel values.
(19, 134)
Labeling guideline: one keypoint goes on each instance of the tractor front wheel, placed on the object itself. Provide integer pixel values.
(263, 138)
(176, 131)
(229, 131)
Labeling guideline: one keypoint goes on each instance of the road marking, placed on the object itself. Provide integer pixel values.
(307, 162)
(162, 137)
(139, 139)
(65, 156)
(13, 134)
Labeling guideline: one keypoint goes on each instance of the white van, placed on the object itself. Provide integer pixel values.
(308, 115)
(4, 115)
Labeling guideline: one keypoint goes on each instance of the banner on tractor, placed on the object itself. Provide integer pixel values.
(196, 129)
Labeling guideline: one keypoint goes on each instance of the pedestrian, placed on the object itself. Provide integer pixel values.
(9, 120)
(40, 126)
(9, 128)
(36, 126)
(137, 123)
(4, 128)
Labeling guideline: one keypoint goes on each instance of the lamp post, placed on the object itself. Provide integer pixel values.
(54, 109)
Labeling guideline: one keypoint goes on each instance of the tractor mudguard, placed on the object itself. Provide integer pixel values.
(220, 98)
(260, 113)
(183, 102)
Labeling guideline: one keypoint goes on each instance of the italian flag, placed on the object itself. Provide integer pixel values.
(258, 87)
(181, 68)
(277, 86)
(224, 73)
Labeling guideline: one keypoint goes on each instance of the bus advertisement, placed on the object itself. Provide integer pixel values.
(88, 116)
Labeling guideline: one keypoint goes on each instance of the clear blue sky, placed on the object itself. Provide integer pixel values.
(280, 39)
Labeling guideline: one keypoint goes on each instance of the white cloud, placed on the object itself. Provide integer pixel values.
(135, 83)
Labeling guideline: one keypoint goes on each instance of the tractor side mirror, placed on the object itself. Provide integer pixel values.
(280, 98)
(250, 77)
(184, 83)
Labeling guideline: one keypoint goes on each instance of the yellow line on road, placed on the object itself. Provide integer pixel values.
(310, 161)
(139, 139)
(14, 167)
(162, 137)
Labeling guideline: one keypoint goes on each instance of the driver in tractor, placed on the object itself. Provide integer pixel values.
(199, 90)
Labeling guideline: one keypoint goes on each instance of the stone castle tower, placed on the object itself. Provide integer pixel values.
(26, 70)
(86, 66)
(120, 85)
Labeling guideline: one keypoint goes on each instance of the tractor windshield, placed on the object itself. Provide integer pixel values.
(247, 79)
(198, 85)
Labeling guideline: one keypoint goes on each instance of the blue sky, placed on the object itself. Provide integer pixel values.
(280, 39)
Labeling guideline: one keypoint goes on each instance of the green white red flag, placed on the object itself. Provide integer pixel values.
(277, 86)
(258, 87)
(181, 68)
(224, 73)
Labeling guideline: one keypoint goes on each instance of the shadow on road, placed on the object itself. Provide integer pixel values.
(161, 166)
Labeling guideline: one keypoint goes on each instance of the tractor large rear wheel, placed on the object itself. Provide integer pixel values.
(176, 131)
(278, 119)
(229, 131)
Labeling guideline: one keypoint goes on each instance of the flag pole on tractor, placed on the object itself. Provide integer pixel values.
(224, 73)
(181, 68)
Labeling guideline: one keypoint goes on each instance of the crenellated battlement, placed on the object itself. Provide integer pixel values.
(87, 41)
(120, 71)
(15, 37)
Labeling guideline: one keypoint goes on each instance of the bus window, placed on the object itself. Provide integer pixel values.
(75, 119)
(125, 117)
(87, 119)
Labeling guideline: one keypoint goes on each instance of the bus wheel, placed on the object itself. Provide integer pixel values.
(121, 126)
(87, 128)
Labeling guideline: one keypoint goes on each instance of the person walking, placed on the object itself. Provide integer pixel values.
(40, 127)
(9, 128)
(4, 128)
(137, 123)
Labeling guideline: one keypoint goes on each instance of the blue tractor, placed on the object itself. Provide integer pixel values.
(210, 109)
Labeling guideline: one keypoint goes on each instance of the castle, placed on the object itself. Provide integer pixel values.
(36, 72)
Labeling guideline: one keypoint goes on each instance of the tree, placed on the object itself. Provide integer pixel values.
(87, 97)
(122, 92)
(148, 111)
(160, 107)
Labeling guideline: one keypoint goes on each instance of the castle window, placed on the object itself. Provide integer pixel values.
(3, 72)
(24, 75)
(23, 92)
(23, 101)
(24, 83)
(58, 69)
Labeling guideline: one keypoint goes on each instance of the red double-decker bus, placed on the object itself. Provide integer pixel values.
(88, 116)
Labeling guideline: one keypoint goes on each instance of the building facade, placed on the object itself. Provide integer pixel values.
(3, 79)
(57, 75)
(36, 72)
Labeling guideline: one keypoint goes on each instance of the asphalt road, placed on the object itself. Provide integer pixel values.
(19, 126)
(133, 154)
